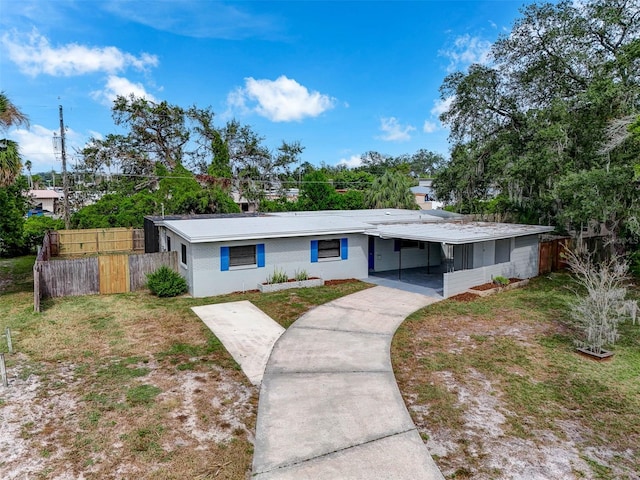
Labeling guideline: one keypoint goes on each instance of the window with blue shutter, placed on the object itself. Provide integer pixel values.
(335, 249)
(224, 259)
(260, 254)
(242, 256)
(344, 248)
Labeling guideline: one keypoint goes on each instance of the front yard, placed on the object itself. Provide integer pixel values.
(127, 386)
(497, 390)
(130, 385)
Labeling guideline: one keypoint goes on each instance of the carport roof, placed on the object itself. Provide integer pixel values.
(456, 233)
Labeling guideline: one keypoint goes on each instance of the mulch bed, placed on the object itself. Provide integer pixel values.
(339, 282)
(464, 297)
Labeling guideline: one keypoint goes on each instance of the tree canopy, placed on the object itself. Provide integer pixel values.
(10, 160)
(535, 125)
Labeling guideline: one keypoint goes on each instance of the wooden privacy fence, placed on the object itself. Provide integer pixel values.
(96, 240)
(93, 275)
(551, 254)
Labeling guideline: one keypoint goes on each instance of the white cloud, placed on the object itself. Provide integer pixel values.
(36, 145)
(429, 127)
(394, 131)
(467, 50)
(352, 162)
(280, 100)
(120, 86)
(33, 55)
(441, 106)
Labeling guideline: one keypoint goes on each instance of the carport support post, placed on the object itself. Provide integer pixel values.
(400, 261)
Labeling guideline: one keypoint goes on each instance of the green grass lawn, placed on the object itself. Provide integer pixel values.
(515, 352)
(136, 384)
(129, 383)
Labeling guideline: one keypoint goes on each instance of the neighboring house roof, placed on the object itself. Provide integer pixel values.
(43, 194)
(384, 223)
(421, 190)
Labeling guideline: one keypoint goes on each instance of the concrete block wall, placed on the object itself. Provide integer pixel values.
(462, 280)
(285, 254)
(523, 264)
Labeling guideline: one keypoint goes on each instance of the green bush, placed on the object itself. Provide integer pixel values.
(164, 282)
(36, 227)
(500, 280)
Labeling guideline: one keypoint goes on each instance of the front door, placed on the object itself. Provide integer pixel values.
(372, 258)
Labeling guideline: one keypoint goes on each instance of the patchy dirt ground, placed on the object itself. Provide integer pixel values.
(478, 387)
(56, 423)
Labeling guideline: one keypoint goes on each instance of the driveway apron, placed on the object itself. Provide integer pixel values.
(329, 404)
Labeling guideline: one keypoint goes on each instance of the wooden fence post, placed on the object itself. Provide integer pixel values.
(3, 371)
(36, 288)
(9, 342)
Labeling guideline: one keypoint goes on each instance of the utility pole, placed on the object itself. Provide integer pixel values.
(65, 179)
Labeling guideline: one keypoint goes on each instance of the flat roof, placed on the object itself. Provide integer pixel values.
(252, 228)
(383, 223)
(457, 232)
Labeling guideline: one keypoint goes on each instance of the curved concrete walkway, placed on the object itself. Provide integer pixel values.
(329, 404)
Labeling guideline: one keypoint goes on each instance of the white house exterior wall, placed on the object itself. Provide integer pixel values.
(388, 259)
(523, 264)
(525, 256)
(285, 254)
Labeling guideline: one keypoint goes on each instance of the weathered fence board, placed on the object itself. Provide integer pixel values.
(105, 274)
(138, 240)
(140, 265)
(68, 277)
(551, 255)
(114, 273)
(98, 240)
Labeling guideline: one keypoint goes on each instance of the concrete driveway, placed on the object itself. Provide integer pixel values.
(329, 404)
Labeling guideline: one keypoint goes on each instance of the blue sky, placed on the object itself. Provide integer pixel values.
(342, 78)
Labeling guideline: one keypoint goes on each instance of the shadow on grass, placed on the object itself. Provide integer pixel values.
(16, 274)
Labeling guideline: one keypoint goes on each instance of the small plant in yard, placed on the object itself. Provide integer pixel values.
(598, 312)
(164, 282)
(501, 281)
(278, 276)
(301, 275)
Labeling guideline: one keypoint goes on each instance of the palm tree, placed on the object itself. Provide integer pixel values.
(10, 164)
(391, 190)
(28, 166)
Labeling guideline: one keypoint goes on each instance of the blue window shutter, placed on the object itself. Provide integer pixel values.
(314, 251)
(344, 248)
(260, 254)
(224, 259)
(396, 245)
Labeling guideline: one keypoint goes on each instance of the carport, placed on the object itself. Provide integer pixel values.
(445, 258)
